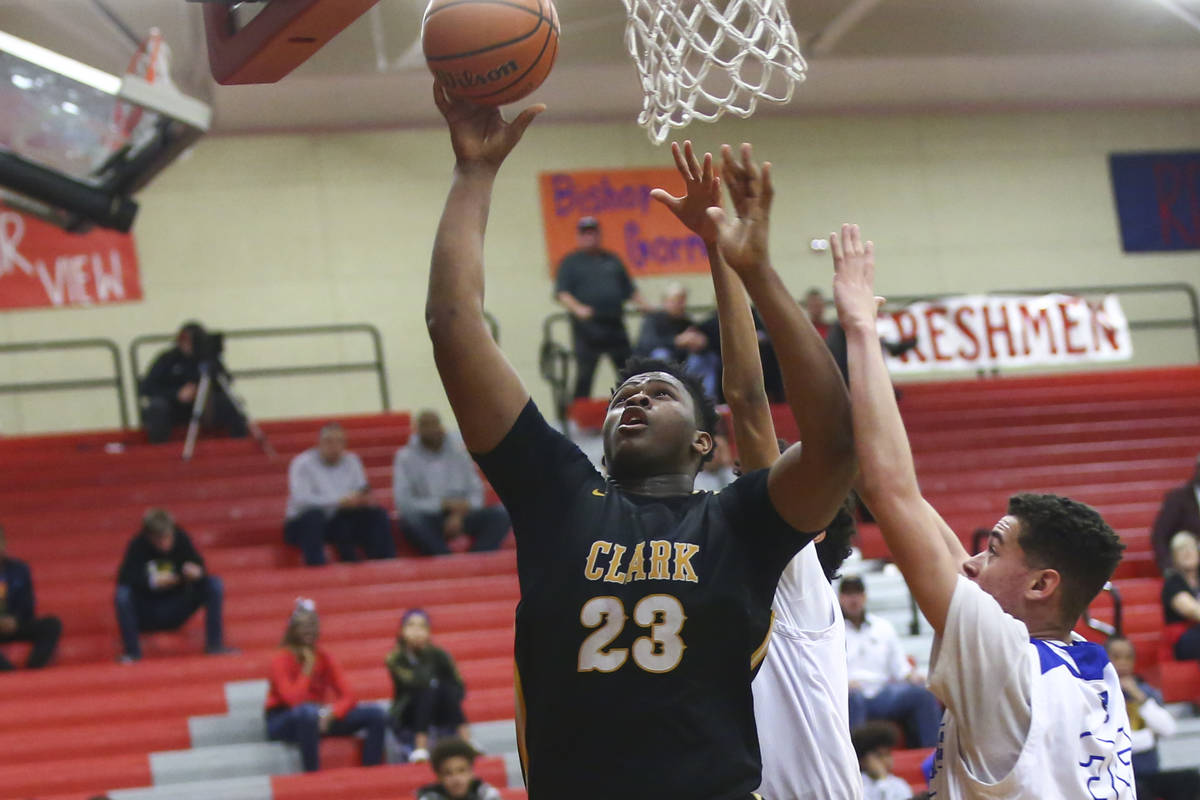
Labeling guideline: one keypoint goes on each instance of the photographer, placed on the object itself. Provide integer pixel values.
(168, 392)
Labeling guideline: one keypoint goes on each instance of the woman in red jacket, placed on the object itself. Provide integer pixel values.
(309, 697)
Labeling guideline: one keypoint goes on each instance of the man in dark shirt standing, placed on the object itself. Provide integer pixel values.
(18, 620)
(168, 391)
(593, 284)
(162, 582)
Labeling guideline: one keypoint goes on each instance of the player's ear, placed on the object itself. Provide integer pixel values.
(1044, 584)
(703, 443)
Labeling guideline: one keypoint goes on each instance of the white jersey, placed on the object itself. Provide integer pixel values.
(1026, 719)
(800, 692)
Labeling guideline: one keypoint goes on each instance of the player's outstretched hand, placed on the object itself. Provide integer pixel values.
(479, 135)
(854, 278)
(703, 191)
(743, 238)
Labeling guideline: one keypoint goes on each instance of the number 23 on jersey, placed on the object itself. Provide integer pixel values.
(659, 651)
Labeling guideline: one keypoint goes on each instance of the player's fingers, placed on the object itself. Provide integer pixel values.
(666, 198)
(706, 170)
(748, 165)
(768, 188)
(847, 239)
(690, 156)
(879, 303)
(439, 98)
(523, 119)
(680, 164)
(835, 247)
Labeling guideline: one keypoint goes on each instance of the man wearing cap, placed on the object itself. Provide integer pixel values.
(1180, 511)
(883, 684)
(593, 285)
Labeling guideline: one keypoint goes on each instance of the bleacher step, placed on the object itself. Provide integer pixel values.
(224, 761)
(255, 787)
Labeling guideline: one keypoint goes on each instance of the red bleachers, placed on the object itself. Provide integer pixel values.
(1117, 440)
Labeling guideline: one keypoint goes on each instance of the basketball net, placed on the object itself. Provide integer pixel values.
(698, 62)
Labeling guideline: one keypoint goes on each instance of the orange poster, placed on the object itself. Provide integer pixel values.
(636, 227)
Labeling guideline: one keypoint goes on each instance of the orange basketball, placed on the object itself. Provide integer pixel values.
(491, 52)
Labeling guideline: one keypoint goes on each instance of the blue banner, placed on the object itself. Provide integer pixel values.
(1158, 200)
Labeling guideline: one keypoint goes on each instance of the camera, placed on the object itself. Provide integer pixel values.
(208, 346)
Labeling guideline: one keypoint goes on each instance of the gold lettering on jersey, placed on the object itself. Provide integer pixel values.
(614, 566)
(669, 561)
(683, 562)
(637, 564)
(590, 570)
(660, 561)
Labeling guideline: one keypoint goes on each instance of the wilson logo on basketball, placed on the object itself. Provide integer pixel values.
(467, 79)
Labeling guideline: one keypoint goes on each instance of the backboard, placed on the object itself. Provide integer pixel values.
(76, 142)
(264, 40)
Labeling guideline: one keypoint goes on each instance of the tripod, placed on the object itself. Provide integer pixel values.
(207, 374)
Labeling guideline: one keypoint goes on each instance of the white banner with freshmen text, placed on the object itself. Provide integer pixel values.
(981, 332)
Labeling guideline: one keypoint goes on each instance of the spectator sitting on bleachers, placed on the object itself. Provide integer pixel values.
(168, 391)
(873, 744)
(716, 473)
(1180, 511)
(1149, 720)
(883, 684)
(453, 762)
(1181, 597)
(162, 582)
(329, 500)
(309, 697)
(662, 326)
(439, 495)
(18, 618)
(428, 690)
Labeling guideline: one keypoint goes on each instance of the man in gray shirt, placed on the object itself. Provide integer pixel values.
(329, 501)
(439, 494)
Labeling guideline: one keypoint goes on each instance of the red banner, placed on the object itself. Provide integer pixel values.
(636, 227)
(42, 265)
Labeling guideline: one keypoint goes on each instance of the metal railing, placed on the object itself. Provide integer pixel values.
(556, 359)
(115, 382)
(1116, 628)
(376, 365)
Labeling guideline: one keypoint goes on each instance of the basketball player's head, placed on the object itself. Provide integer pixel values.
(1046, 559)
(660, 421)
(453, 760)
(833, 546)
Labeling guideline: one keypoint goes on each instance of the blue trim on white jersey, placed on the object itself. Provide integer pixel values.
(1085, 660)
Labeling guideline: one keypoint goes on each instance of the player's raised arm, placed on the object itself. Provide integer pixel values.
(484, 390)
(924, 548)
(809, 484)
(742, 375)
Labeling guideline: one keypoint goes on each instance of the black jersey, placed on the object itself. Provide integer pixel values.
(641, 623)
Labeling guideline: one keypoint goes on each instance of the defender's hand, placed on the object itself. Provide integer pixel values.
(854, 278)
(479, 135)
(703, 191)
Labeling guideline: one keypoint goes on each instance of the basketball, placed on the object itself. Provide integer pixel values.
(491, 52)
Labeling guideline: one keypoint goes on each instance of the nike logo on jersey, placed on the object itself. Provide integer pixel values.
(656, 560)
(597, 493)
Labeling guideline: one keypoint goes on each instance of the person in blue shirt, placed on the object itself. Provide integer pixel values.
(18, 613)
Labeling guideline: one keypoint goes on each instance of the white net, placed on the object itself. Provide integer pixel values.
(697, 61)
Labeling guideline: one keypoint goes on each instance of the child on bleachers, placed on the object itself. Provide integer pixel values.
(453, 762)
(873, 744)
(428, 690)
(1149, 720)
(309, 697)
